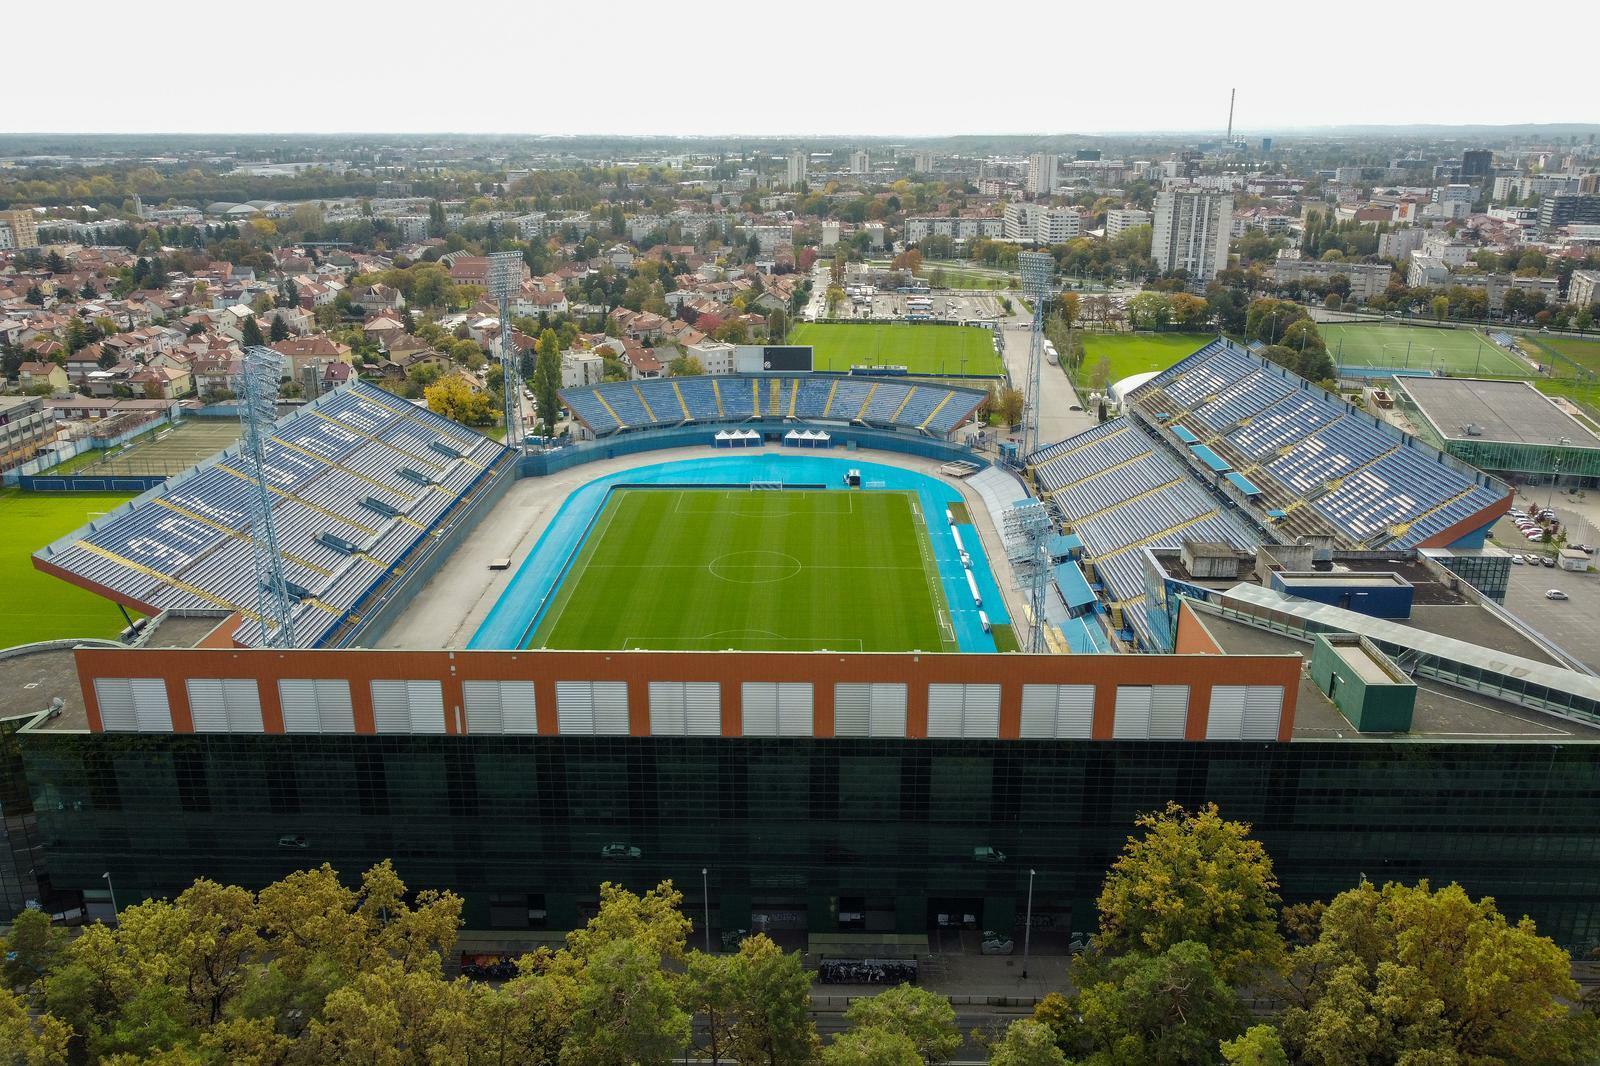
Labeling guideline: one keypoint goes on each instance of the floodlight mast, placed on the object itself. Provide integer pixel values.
(505, 278)
(257, 415)
(1038, 274)
(1026, 529)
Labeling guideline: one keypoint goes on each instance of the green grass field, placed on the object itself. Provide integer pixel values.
(706, 570)
(39, 606)
(1460, 352)
(1135, 353)
(922, 349)
(1585, 353)
(961, 277)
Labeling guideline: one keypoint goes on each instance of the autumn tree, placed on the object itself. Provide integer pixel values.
(925, 1018)
(455, 399)
(1403, 972)
(1193, 877)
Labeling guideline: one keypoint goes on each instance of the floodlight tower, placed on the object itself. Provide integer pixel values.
(257, 414)
(1026, 527)
(1038, 276)
(505, 278)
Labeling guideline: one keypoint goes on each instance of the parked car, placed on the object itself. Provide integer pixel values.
(1555, 594)
(1516, 560)
(988, 855)
(1533, 560)
(997, 943)
(619, 850)
(1549, 561)
(293, 842)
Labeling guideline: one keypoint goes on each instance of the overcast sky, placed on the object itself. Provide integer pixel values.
(864, 67)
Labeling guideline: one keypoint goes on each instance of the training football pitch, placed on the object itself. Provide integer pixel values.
(38, 605)
(1125, 354)
(922, 349)
(1458, 352)
(752, 570)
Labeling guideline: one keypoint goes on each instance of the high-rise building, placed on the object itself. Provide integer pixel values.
(1476, 164)
(1042, 173)
(1120, 219)
(23, 226)
(1583, 290)
(798, 161)
(1191, 230)
(1557, 211)
(860, 162)
(922, 162)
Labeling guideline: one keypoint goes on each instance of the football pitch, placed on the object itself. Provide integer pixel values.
(1125, 354)
(1458, 352)
(752, 570)
(925, 350)
(40, 606)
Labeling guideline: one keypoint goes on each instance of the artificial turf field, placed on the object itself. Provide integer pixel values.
(1457, 352)
(1135, 353)
(1585, 353)
(37, 605)
(922, 349)
(752, 570)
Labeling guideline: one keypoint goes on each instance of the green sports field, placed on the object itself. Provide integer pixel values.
(1584, 353)
(1135, 353)
(1459, 352)
(920, 348)
(779, 570)
(39, 606)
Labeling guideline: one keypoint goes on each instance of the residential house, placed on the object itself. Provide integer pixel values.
(299, 351)
(33, 376)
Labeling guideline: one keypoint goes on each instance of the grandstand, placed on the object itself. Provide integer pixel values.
(361, 478)
(1227, 447)
(654, 403)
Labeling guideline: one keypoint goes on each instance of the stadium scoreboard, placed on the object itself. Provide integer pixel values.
(772, 359)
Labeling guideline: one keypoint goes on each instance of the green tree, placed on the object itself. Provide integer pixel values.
(547, 380)
(1399, 973)
(279, 330)
(1193, 877)
(1027, 1043)
(709, 991)
(1168, 1009)
(31, 950)
(1258, 1046)
(772, 1000)
(626, 1011)
(923, 1017)
(871, 1047)
(685, 366)
(28, 1039)
(250, 333)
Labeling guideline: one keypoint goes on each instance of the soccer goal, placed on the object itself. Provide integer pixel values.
(766, 486)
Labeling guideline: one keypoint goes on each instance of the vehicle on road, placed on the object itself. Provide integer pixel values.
(1555, 594)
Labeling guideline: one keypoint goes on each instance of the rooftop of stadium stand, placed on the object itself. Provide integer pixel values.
(361, 478)
(1511, 412)
(653, 403)
(1443, 713)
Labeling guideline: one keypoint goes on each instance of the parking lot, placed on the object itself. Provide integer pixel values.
(892, 305)
(1571, 623)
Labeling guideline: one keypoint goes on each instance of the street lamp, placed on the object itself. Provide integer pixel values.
(113, 891)
(705, 894)
(1027, 928)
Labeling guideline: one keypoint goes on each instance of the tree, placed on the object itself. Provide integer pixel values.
(279, 330)
(250, 333)
(547, 380)
(1149, 310)
(709, 991)
(771, 1002)
(626, 1012)
(1193, 877)
(1440, 306)
(1068, 308)
(31, 950)
(28, 1040)
(1027, 1043)
(35, 296)
(1010, 404)
(685, 366)
(777, 326)
(923, 1017)
(871, 1047)
(1258, 1046)
(1166, 1009)
(1403, 971)
(455, 399)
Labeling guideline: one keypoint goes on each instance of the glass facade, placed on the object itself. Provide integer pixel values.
(900, 831)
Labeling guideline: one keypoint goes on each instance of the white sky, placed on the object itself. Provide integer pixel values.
(792, 68)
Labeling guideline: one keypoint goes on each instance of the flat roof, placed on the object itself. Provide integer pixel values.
(1359, 659)
(1510, 412)
(1342, 577)
(1442, 713)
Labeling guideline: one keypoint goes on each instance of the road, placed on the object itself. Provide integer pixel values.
(1056, 417)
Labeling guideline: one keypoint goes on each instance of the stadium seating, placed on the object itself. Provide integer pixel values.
(359, 478)
(896, 403)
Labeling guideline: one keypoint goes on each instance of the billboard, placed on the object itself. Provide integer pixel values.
(772, 359)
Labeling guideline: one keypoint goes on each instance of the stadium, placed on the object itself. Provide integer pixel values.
(761, 636)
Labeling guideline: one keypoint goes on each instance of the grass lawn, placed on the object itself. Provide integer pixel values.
(959, 277)
(1459, 352)
(1135, 353)
(781, 570)
(39, 606)
(1585, 353)
(922, 349)
(1585, 394)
